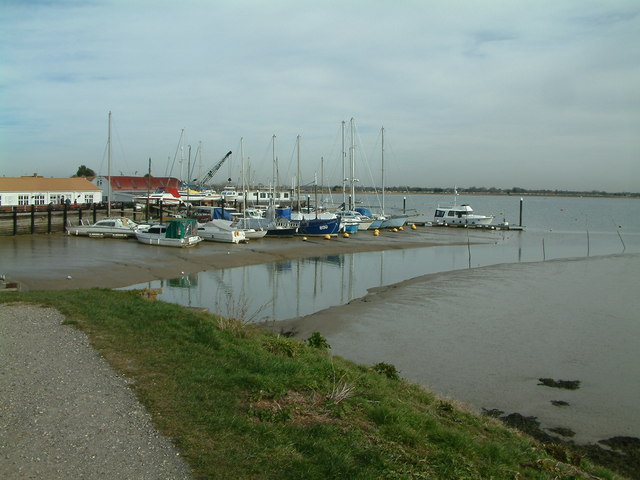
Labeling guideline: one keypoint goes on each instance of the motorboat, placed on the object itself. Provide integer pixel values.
(168, 196)
(180, 232)
(354, 221)
(250, 232)
(459, 215)
(218, 230)
(113, 227)
(273, 226)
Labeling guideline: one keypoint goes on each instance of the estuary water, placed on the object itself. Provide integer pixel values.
(480, 322)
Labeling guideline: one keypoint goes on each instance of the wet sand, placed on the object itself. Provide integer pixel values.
(57, 261)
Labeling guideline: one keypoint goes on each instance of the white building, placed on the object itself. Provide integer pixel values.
(35, 190)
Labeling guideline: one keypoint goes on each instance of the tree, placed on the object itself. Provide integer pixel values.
(84, 172)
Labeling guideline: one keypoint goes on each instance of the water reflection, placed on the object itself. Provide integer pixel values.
(294, 288)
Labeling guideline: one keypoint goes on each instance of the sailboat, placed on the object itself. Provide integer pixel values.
(274, 222)
(389, 221)
(312, 223)
(112, 227)
(352, 219)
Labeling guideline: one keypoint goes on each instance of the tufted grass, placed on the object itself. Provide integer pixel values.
(241, 403)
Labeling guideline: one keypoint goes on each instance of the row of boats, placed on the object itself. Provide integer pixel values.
(229, 226)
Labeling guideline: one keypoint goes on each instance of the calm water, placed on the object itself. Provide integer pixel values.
(482, 335)
(558, 228)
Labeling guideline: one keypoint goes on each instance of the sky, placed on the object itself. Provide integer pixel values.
(538, 94)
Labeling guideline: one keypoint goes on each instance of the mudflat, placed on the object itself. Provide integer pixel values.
(58, 261)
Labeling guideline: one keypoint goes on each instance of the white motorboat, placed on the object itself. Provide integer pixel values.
(181, 232)
(114, 227)
(218, 230)
(356, 220)
(169, 196)
(460, 215)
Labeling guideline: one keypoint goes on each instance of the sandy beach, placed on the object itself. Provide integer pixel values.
(57, 261)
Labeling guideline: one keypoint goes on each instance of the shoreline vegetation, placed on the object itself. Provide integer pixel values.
(507, 191)
(242, 402)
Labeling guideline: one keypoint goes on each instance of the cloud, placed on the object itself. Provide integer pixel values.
(461, 88)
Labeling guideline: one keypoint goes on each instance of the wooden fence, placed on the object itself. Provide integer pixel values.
(33, 220)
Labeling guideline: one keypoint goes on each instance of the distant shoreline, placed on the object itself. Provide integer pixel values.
(511, 194)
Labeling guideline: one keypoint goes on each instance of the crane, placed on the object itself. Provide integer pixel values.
(213, 170)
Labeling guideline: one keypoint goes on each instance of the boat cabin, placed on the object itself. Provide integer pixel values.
(459, 211)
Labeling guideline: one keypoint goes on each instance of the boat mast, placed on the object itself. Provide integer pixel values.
(298, 173)
(382, 141)
(344, 173)
(109, 167)
(182, 156)
(322, 181)
(273, 181)
(244, 193)
(353, 170)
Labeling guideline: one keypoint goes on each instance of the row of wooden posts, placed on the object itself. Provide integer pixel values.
(12, 222)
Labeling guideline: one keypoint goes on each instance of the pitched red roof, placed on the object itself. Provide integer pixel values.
(142, 184)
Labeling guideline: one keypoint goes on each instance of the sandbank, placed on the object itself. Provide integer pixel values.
(58, 261)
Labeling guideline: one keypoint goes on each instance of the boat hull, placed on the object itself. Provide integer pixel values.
(394, 222)
(101, 232)
(281, 232)
(223, 237)
(476, 220)
(319, 227)
(154, 239)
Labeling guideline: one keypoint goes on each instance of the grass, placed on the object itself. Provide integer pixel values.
(240, 403)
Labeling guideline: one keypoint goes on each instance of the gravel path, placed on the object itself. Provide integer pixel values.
(65, 414)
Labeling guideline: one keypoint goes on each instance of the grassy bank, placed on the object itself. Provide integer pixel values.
(240, 403)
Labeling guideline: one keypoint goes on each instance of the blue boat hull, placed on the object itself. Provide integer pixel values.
(319, 227)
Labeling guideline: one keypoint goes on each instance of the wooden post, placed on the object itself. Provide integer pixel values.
(15, 220)
(79, 215)
(64, 217)
(49, 212)
(521, 200)
(33, 219)
(95, 213)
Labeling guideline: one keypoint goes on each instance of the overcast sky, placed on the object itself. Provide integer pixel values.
(534, 94)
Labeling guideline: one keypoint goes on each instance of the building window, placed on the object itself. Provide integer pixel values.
(38, 199)
(88, 198)
(23, 200)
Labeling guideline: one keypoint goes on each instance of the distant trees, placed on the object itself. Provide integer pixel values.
(84, 172)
